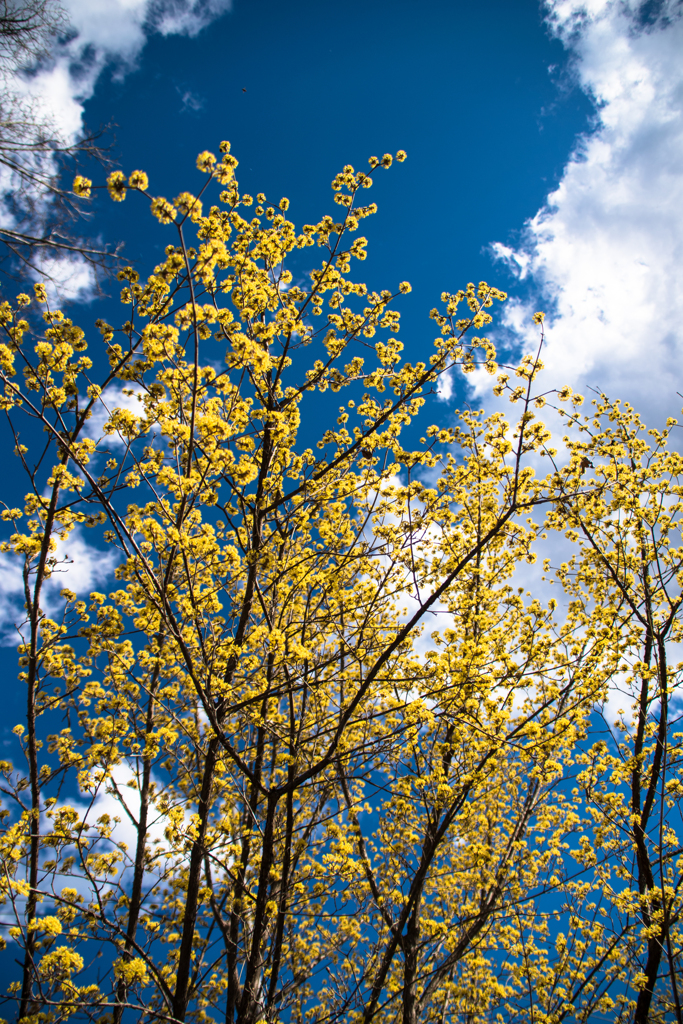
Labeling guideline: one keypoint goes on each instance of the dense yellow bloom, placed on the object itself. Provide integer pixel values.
(82, 186)
(326, 758)
(116, 184)
(164, 211)
(139, 180)
(206, 161)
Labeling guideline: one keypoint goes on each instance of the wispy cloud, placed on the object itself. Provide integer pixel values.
(184, 17)
(69, 278)
(189, 100)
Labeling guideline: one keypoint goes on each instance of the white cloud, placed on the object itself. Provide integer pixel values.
(67, 278)
(604, 253)
(82, 568)
(116, 31)
(190, 100)
(517, 262)
(105, 34)
(115, 397)
(11, 599)
(180, 17)
(118, 796)
(444, 388)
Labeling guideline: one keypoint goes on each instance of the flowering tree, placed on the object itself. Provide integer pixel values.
(308, 757)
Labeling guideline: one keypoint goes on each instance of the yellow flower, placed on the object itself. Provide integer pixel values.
(116, 183)
(131, 971)
(206, 161)
(61, 963)
(164, 211)
(50, 925)
(139, 180)
(189, 205)
(82, 186)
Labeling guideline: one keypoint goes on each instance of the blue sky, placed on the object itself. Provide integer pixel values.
(481, 99)
(465, 89)
(545, 145)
